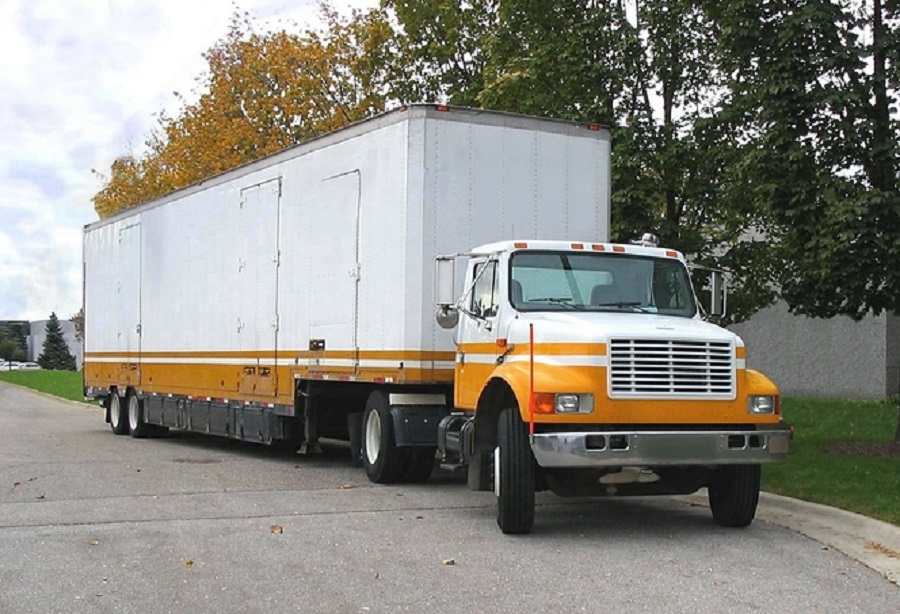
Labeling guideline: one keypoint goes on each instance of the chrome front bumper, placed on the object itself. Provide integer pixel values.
(653, 448)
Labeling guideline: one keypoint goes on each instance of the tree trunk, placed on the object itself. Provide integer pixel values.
(897, 432)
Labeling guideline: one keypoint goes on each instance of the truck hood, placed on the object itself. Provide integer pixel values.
(594, 327)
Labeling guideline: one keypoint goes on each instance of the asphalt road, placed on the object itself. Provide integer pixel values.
(92, 522)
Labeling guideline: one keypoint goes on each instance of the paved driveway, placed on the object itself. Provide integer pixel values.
(92, 522)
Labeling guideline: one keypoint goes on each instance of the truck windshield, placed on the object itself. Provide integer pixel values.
(560, 281)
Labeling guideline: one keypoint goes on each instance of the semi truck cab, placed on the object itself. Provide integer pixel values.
(590, 369)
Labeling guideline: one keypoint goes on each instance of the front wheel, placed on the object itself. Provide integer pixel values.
(117, 418)
(514, 475)
(383, 460)
(734, 494)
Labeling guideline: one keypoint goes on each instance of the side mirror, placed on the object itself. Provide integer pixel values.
(444, 282)
(447, 315)
(718, 295)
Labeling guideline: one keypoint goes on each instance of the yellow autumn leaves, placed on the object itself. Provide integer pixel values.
(263, 92)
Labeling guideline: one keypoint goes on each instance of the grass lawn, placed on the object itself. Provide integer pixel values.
(864, 484)
(65, 384)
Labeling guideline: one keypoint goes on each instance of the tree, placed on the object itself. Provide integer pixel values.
(77, 320)
(55, 353)
(816, 86)
(262, 93)
(648, 69)
(13, 341)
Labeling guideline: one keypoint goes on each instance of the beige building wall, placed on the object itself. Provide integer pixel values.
(837, 357)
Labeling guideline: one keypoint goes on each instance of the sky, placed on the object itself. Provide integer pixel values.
(81, 83)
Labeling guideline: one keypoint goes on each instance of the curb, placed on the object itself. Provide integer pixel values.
(873, 543)
(47, 395)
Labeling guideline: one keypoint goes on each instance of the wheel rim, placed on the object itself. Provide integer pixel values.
(133, 412)
(114, 410)
(373, 436)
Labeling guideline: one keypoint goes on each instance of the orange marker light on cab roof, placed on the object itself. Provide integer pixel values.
(618, 248)
(520, 245)
(671, 254)
(593, 127)
(442, 107)
(577, 245)
(598, 248)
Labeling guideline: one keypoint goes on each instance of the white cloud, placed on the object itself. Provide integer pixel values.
(83, 81)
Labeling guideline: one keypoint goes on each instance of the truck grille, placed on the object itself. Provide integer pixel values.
(663, 368)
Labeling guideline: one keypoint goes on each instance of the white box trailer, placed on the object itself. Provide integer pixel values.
(292, 298)
(220, 303)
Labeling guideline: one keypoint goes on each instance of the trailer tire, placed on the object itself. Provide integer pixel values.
(419, 464)
(136, 424)
(514, 475)
(734, 494)
(383, 461)
(118, 418)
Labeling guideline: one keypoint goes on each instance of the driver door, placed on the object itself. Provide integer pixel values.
(477, 350)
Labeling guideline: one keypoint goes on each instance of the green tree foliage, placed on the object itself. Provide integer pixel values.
(651, 70)
(12, 341)
(815, 85)
(55, 353)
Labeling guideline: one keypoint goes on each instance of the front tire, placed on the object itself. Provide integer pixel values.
(136, 423)
(118, 420)
(383, 461)
(419, 464)
(734, 494)
(514, 475)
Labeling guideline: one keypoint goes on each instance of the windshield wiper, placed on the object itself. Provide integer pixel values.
(565, 301)
(634, 305)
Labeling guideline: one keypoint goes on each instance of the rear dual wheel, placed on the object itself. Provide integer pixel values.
(118, 418)
(383, 460)
(136, 424)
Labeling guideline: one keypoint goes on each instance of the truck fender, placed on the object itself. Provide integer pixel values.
(509, 384)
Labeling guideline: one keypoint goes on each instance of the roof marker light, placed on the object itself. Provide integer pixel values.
(598, 248)
(520, 245)
(671, 254)
(618, 248)
(577, 245)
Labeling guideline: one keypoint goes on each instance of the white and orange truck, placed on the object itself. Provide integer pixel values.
(308, 294)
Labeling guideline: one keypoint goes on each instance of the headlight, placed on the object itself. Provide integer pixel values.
(761, 404)
(574, 403)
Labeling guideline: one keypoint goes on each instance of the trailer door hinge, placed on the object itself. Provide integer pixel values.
(355, 272)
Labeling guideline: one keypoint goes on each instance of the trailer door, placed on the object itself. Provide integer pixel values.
(258, 263)
(335, 271)
(128, 302)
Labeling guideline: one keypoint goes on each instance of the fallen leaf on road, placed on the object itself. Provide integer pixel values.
(448, 562)
(16, 484)
(94, 542)
(882, 549)
(346, 486)
(189, 563)
(277, 528)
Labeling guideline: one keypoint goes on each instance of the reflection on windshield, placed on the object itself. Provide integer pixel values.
(557, 281)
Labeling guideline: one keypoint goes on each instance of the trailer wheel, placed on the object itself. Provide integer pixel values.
(118, 419)
(514, 475)
(384, 462)
(136, 423)
(734, 494)
(419, 464)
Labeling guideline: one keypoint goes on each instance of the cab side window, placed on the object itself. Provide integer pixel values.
(484, 295)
